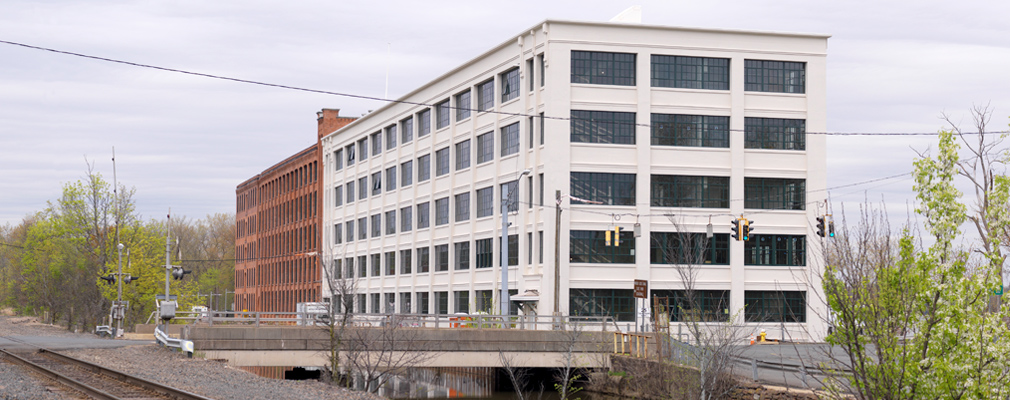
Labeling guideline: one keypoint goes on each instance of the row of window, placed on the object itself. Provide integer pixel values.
(427, 259)
(602, 247)
(610, 127)
(439, 302)
(604, 68)
(688, 191)
(695, 305)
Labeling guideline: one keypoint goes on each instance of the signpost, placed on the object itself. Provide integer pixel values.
(641, 292)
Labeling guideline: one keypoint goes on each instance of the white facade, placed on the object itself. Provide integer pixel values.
(544, 57)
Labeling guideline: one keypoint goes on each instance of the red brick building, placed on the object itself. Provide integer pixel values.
(278, 215)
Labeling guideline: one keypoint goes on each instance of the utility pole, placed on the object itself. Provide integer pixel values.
(557, 254)
(118, 311)
(504, 259)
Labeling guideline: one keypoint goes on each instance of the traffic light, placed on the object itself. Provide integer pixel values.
(831, 228)
(745, 229)
(178, 273)
(737, 234)
(617, 237)
(110, 279)
(820, 227)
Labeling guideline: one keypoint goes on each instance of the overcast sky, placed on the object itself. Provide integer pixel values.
(185, 142)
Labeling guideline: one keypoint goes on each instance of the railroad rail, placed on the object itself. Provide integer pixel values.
(91, 379)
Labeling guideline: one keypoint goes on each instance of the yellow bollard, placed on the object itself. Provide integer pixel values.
(762, 336)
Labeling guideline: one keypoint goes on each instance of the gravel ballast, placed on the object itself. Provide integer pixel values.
(207, 378)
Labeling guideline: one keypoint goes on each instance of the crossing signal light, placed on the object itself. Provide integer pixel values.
(110, 279)
(745, 229)
(129, 279)
(178, 273)
(737, 234)
(831, 228)
(820, 227)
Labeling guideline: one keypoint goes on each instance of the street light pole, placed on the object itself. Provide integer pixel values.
(503, 261)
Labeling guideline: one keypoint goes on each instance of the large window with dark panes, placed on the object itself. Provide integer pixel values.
(484, 252)
(690, 130)
(442, 161)
(363, 188)
(442, 211)
(405, 261)
(463, 105)
(774, 133)
(350, 192)
(390, 263)
(363, 148)
(510, 84)
(461, 301)
(423, 259)
(377, 225)
(423, 215)
(390, 222)
(485, 202)
(601, 68)
(605, 188)
(424, 123)
(407, 173)
(485, 148)
(350, 154)
(485, 96)
(774, 193)
(690, 72)
(510, 139)
(593, 247)
(694, 305)
(338, 196)
(424, 168)
(350, 230)
(391, 137)
(362, 266)
(603, 127)
(377, 143)
(441, 302)
(338, 233)
(338, 159)
(690, 191)
(376, 265)
(513, 255)
(362, 228)
(376, 183)
(615, 303)
(461, 253)
(683, 248)
(405, 303)
(442, 114)
(442, 257)
(775, 250)
(406, 219)
(775, 76)
(463, 155)
(391, 178)
(407, 130)
(775, 306)
(462, 207)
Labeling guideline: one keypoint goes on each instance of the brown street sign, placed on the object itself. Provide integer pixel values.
(641, 289)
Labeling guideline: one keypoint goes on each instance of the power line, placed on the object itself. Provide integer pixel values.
(363, 97)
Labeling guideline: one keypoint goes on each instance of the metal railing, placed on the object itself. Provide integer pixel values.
(441, 321)
(163, 339)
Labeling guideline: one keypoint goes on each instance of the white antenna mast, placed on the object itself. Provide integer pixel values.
(385, 95)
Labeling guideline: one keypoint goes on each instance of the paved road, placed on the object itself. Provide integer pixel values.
(811, 355)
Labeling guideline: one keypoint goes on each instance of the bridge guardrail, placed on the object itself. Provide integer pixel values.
(163, 339)
(442, 321)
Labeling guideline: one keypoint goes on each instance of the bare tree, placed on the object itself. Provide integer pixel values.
(380, 352)
(340, 313)
(566, 376)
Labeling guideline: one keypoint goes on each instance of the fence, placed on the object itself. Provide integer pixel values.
(440, 321)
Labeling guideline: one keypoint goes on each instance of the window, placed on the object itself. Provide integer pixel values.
(362, 228)
(529, 130)
(529, 248)
(542, 131)
(513, 258)
(462, 206)
(376, 303)
(350, 154)
(510, 85)
(362, 266)
(376, 264)
(462, 255)
(485, 96)
(361, 302)
(423, 259)
(442, 211)
(529, 74)
(461, 299)
(376, 183)
(540, 251)
(391, 222)
(424, 168)
(690, 191)
(338, 196)
(350, 231)
(377, 143)
(406, 219)
(349, 267)
(529, 191)
(377, 225)
(391, 137)
(463, 155)
(441, 161)
(485, 253)
(485, 148)
(609, 189)
(424, 123)
(463, 106)
(775, 76)
(363, 188)
(338, 270)
(775, 250)
(774, 193)
(541, 176)
(690, 72)
(407, 130)
(390, 263)
(485, 301)
(615, 303)
(391, 178)
(405, 261)
(510, 192)
(774, 133)
(485, 202)
(603, 127)
(510, 139)
(423, 215)
(405, 303)
(681, 248)
(592, 247)
(601, 68)
(338, 160)
(338, 233)
(442, 114)
(406, 173)
(441, 302)
(422, 302)
(442, 257)
(363, 148)
(350, 192)
(775, 306)
(543, 69)
(696, 305)
(690, 130)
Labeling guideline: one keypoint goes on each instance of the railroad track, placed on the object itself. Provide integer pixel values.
(90, 379)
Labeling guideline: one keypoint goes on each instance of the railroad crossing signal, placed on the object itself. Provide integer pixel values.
(178, 273)
(111, 278)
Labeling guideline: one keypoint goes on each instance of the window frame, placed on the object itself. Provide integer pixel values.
(603, 68)
(686, 72)
(463, 105)
(510, 85)
(774, 193)
(462, 155)
(442, 115)
(442, 161)
(689, 191)
(605, 127)
(608, 188)
(589, 247)
(462, 207)
(689, 130)
(788, 302)
(485, 148)
(442, 211)
(775, 76)
(775, 133)
(509, 139)
(776, 250)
